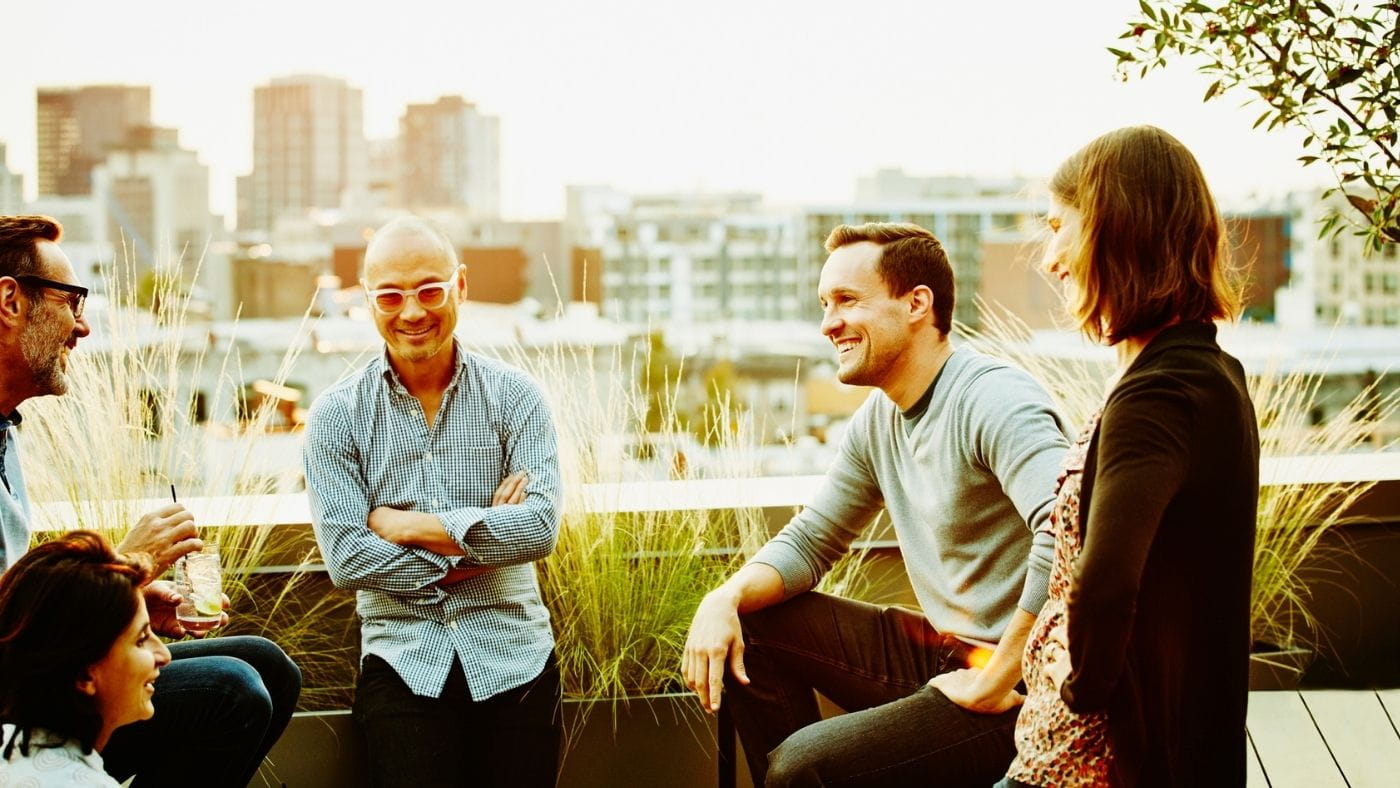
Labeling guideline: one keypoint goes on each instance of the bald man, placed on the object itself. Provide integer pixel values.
(434, 486)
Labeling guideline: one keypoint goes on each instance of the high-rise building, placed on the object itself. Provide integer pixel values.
(75, 128)
(450, 157)
(382, 174)
(1349, 286)
(1261, 246)
(689, 258)
(1011, 280)
(11, 187)
(309, 149)
(153, 196)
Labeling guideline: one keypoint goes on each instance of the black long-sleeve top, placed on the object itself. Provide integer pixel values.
(1158, 611)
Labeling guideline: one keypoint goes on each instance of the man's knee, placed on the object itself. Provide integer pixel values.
(793, 763)
(241, 686)
(280, 674)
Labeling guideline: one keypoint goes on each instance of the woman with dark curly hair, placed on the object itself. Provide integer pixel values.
(1136, 669)
(77, 659)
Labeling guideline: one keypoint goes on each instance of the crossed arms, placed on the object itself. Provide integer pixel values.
(412, 554)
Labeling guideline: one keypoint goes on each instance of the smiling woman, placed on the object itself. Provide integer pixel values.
(77, 659)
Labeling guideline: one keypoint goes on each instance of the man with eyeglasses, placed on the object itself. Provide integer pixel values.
(434, 485)
(237, 692)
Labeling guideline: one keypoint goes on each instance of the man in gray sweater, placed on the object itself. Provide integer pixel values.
(963, 452)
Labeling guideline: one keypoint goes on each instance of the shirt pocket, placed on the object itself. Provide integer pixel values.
(470, 473)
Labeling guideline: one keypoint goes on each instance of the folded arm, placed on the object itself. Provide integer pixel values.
(524, 526)
(356, 557)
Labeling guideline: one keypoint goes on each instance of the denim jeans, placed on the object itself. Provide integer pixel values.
(875, 663)
(221, 704)
(509, 739)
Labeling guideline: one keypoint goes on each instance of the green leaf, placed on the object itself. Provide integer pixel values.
(1147, 9)
(1212, 90)
(1343, 75)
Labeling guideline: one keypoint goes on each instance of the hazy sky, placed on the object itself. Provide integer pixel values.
(793, 99)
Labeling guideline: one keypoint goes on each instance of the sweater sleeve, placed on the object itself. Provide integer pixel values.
(848, 499)
(1141, 462)
(1016, 433)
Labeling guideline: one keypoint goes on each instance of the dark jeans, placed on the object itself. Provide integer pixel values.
(221, 704)
(510, 739)
(875, 663)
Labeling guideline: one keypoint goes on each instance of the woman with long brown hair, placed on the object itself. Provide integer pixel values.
(77, 659)
(1137, 667)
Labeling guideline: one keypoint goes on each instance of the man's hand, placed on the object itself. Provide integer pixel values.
(967, 688)
(164, 535)
(161, 601)
(511, 490)
(715, 638)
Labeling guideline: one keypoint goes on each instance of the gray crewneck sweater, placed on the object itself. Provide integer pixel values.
(968, 484)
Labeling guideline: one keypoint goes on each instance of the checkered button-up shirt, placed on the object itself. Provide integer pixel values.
(368, 445)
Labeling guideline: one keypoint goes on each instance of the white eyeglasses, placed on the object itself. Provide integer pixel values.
(391, 300)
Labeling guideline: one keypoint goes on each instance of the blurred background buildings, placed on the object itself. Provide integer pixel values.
(724, 280)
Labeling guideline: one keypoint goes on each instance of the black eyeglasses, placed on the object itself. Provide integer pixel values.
(77, 294)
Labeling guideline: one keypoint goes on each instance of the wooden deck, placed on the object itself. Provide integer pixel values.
(1322, 738)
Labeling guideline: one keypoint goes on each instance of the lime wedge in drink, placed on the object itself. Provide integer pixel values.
(208, 606)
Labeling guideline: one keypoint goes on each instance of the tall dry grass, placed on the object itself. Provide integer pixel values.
(622, 585)
(109, 451)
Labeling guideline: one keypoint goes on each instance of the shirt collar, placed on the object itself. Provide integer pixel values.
(384, 368)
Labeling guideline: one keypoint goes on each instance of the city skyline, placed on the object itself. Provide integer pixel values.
(791, 100)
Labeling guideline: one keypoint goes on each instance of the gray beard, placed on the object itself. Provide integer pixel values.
(43, 353)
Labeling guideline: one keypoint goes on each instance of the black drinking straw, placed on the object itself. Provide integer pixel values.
(172, 494)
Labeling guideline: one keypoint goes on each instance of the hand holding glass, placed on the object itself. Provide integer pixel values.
(198, 581)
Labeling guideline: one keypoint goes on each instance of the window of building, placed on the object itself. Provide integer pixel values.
(1005, 222)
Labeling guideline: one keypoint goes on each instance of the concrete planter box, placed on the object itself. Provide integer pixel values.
(649, 740)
